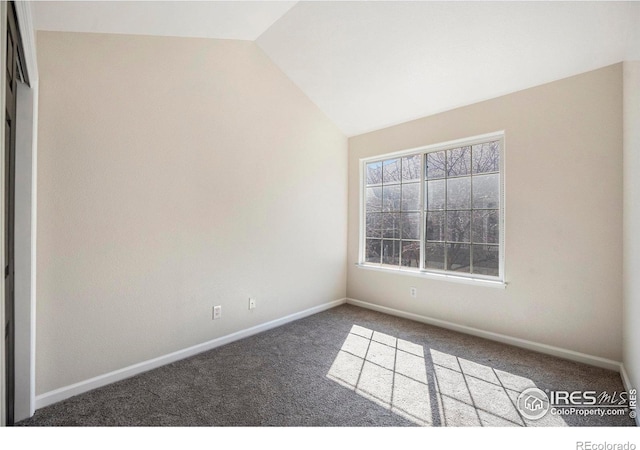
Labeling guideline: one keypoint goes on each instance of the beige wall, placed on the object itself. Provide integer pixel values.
(176, 174)
(563, 155)
(631, 241)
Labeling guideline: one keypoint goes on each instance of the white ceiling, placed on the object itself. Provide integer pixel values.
(219, 20)
(368, 65)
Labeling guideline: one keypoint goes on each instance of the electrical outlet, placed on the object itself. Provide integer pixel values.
(413, 292)
(217, 312)
(252, 303)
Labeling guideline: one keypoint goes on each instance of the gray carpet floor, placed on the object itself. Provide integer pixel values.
(347, 366)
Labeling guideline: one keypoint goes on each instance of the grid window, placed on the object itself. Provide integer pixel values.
(393, 211)
(436, 211)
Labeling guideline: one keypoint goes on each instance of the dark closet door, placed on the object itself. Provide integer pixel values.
(9, 205)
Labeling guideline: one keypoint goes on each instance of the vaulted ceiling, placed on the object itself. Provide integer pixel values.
(368, 65)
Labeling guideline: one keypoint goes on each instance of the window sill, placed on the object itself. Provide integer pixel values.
(436, 276)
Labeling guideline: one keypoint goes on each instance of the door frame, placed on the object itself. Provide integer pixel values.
(3, 59)
(26, 169)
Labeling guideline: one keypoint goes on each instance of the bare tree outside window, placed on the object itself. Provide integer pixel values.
(448, 198)
(393, 217)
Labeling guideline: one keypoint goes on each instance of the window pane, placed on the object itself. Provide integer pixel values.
(458, 257)
(486, 190)
(486, 157)
(374, 199)
(391, 171)
(434, 256)
(391, 252)
(411, 197)
(435, 165)
(459, 193)
(391, 225)
(435, 226)
(459, 208)
(372, 250)
(458, 224)
(411, 168)
(485, 259)
(374, 225)
(374, 173)
(410, 226)
(485, 227)
(459, 161)
(391, 198)
(411, 253)
(435, 194)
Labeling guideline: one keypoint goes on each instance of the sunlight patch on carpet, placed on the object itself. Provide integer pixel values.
(433, 389)
(386, 370)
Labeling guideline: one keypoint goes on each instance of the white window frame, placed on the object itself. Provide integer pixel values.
(460, 277)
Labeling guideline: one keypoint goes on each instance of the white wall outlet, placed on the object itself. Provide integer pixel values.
(252, 303)
(413, 292)
(217, 312)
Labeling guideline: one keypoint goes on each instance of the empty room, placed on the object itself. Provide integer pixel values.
(321, 214)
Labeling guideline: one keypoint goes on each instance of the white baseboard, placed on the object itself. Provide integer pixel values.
(626, 382)
(63, 393)
(517, 342)
(57, 395)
